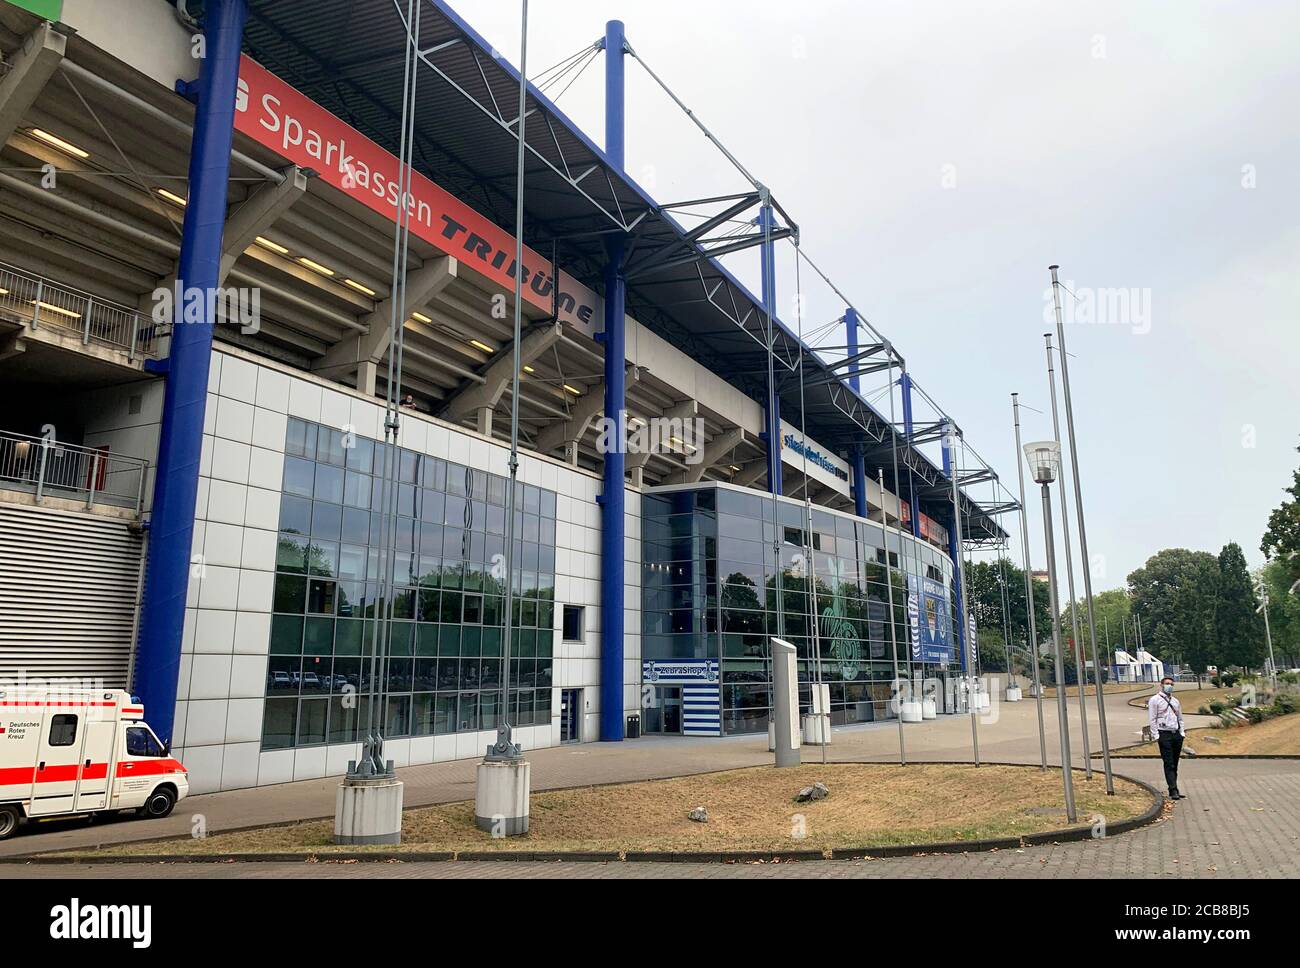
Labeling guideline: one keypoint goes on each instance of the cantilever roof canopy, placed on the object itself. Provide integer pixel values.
(348, 56)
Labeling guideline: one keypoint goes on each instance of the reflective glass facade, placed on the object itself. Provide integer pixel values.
(445, 656)
(709, 592)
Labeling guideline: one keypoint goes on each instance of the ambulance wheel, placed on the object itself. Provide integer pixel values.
(9, 820)
(159, 804)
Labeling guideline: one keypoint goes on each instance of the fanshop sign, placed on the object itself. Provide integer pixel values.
(283, 119)
(659, 670)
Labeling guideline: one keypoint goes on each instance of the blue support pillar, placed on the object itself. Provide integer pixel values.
(905, 382)
(612, 497)
(851, 345)
(171, 526)
(954, 552)
(859, 483)
(772, 412)
(859, 461)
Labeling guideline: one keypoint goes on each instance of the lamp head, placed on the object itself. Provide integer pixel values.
(1044, 459)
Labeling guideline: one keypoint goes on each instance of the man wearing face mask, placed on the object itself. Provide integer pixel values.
(1166, 719)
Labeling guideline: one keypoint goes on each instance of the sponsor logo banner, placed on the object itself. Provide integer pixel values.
(301, 131)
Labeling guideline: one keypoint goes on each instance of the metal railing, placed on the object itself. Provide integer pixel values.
(51, 469)
(41, 303)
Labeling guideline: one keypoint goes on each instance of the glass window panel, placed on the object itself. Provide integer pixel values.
(329, 484)
(291, 554)
(361, 454)
(326, 521)
(329, 446)
(343, 720)
(399, 716)
(321, 596)
(283, 675)
(286, 634)
(319, 637)
(423, 717)
(312, 716)
(300, 438)
(295, 515)
(278, 723)
(290, 594)
(348, 636)
(298, 476)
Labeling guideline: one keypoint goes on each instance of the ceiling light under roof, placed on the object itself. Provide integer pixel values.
(359, 287)
(59, 143)
(273, 246)
(479, 344)
(171, 197)
(528, 369)
(421, 317)
(315, 266)
(574, 390)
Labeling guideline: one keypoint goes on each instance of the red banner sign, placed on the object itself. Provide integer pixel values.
(301, 131)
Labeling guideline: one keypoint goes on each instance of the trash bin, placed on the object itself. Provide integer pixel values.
(634, 727)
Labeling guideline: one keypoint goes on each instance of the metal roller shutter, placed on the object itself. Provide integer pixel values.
(68, 594)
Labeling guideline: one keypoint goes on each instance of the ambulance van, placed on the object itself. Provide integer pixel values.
(75, 753)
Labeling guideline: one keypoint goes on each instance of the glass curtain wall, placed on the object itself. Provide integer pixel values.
(444, 671)
(710, 586)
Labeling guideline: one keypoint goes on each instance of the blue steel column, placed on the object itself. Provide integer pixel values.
(954, 551)
(859, 460)
(905, 382)
(171, 528)
(612, 503)
(771, 414)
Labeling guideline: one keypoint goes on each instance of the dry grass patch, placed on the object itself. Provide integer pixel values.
(1110, 688)
(1279, 736)
(750, 809)
(1192, 699)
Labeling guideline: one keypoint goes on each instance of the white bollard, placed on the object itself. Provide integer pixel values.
(368, 811)
(501, 797)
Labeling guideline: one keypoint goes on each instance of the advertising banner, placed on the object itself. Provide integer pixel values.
(823, 465)
(932, 630)
(301, 131)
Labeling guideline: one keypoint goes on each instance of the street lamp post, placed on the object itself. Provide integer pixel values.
(1044, 459)
(1268, 636)
(1081, 665)
(960, 579)
(1084, 560)
(1029, 587)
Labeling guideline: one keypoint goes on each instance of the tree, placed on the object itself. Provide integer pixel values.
(1113, 612)
(1240, 631)
(984, 591)
(1176, 588)
(1283, 613)
(1282, 539)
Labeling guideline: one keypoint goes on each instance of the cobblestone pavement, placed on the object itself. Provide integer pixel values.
(1242, 818)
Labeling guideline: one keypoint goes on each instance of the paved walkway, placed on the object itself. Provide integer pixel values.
(1242, 818)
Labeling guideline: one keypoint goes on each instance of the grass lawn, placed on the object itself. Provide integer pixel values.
(1279, 736)
(749, 809)
(1192, 699)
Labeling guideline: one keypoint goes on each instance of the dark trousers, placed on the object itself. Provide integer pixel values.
(1171, 747)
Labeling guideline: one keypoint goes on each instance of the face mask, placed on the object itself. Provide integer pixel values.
(1168, 687)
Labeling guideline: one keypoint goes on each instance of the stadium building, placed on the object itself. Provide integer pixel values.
(191, 510)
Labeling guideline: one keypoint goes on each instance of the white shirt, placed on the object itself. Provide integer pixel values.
(1164, 712)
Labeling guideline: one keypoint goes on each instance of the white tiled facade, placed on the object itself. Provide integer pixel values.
(221, 691)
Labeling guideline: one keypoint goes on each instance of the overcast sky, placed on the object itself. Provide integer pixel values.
(939, 157)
